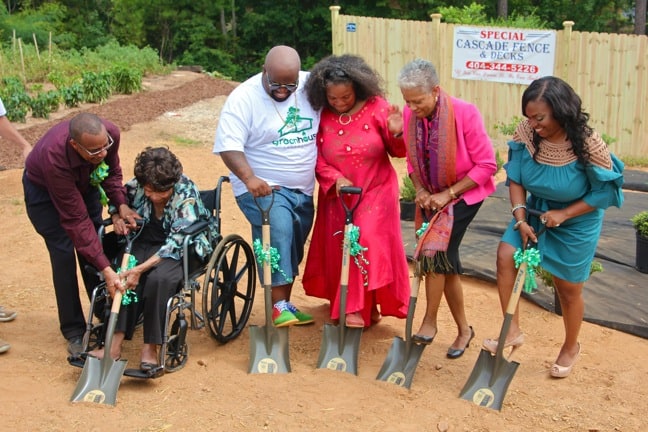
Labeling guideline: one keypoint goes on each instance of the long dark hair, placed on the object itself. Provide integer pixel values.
(567, 109)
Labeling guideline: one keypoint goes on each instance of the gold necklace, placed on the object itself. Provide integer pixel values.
(292, 112)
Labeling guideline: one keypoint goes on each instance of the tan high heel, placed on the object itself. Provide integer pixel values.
(515, 343)
(558, 371)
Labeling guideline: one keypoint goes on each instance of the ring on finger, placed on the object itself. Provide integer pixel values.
(543, 220)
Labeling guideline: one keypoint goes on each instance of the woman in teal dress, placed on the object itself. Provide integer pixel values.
(560, 166)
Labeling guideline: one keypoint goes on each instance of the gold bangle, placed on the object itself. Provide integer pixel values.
(452, 194)
(518, 223)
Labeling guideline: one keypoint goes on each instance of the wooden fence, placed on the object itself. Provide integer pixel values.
(608, 71)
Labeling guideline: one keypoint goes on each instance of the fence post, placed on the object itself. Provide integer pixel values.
(436, 39)
(566, 40)
(335, 29)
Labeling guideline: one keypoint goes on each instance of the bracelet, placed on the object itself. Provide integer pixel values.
(419, 190)
(452, 194)
(518, 223)
(516, 207)
(398, 135)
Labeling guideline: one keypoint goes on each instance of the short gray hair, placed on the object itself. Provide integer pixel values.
(418, 73)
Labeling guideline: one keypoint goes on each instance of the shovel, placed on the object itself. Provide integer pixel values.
(100, 379)
(339, 349)
(492, 374)
(268, 344)
(404, 355)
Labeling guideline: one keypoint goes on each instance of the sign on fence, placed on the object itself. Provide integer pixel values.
(503, 54)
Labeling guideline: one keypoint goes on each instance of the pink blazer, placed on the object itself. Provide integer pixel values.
(475, 153)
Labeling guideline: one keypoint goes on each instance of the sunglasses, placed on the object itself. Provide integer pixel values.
(98, 151)
(276, 86)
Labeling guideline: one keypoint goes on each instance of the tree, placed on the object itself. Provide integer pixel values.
(640, 17)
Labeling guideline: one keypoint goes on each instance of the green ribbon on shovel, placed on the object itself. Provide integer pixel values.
(532, 257)
(96, 177)
(129, 296)
(272, 256)
(356, 251)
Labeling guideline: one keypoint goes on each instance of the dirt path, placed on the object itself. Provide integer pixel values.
(606, 392)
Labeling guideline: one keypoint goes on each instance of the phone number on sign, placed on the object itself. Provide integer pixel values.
(502, 67)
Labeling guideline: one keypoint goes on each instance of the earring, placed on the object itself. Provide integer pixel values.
(436, 99)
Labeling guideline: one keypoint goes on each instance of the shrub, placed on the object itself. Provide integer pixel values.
(44, 104)
(407, 191)
(15, 98)
(96, 86)
(640, 223)
(126, 80)
(73, 95)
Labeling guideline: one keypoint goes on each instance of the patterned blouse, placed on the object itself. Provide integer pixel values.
(183, 209)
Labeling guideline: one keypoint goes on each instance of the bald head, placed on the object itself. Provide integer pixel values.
(282, 57)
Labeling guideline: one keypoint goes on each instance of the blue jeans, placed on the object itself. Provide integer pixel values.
(291, 219)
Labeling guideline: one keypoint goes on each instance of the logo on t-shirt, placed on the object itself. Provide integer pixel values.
(295, 124)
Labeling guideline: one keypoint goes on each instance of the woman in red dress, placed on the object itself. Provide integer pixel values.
(359, 131)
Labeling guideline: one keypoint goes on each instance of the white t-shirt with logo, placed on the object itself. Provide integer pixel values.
(278, 138)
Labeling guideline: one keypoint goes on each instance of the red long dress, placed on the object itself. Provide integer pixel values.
(359, 151)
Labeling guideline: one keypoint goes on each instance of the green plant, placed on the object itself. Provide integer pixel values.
(73, 95)
(640, 223)
(15, 98)
(44, 104)
(547, 278)
(407, 191)
(126, 80)
(96, 86)
(508, 128)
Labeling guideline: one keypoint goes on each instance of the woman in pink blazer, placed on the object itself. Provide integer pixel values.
(451, 162)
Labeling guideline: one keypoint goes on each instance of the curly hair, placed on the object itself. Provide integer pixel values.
(158, 168)
(567, 109)
(342, 69)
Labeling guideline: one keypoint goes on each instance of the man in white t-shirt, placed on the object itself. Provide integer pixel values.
(267, 138)
(9, 132)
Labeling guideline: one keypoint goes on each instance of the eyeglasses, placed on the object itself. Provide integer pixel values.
(276, 86)
(99, 151)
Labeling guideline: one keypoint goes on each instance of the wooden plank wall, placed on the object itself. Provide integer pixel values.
(608, 71)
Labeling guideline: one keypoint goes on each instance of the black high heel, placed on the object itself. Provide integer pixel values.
(456, 353)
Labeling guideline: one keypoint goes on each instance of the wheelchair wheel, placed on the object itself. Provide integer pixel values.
(177, 349)
(228, 291)
(96, 337)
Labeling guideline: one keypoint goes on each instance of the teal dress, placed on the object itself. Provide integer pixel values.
(568, 250)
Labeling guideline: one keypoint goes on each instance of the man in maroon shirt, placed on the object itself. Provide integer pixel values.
(66, 210)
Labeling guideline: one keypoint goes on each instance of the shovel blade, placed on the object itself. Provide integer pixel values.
(339, 352)
(99, 381)
(269, 358)
(489, 381)
(400, 365)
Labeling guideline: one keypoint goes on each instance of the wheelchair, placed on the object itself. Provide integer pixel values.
(228, 285)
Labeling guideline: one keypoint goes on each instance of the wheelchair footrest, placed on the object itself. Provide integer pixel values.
(77, 361)
(148, 374)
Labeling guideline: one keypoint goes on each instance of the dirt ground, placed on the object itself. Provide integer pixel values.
(607, 390)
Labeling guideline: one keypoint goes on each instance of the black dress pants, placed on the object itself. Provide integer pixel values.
(63, 257)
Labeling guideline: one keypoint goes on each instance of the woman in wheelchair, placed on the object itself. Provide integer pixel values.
(169, 202)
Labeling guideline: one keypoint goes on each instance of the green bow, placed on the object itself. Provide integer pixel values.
(96, 177)
(271, 255)
(532, 257)
(356, 251)
(129, 296)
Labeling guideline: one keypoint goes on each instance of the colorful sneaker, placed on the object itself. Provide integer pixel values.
(281, 316)
(303, 317)
(7, 315)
